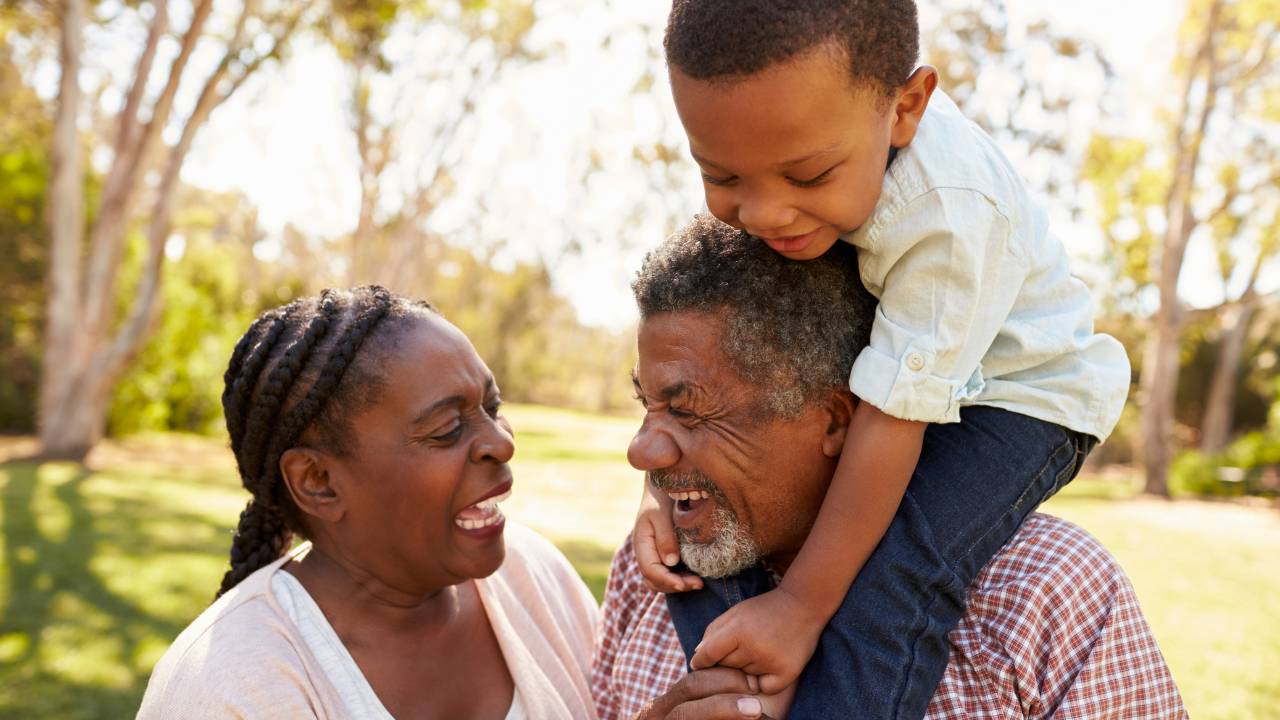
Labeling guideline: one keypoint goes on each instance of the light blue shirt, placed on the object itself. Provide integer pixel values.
(977, 303)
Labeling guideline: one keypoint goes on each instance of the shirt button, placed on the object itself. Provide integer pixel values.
(915, 361)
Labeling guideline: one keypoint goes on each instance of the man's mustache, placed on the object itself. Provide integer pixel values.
(669, 480)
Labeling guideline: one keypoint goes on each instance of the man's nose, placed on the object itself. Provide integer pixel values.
(652, 448)
(763, 214)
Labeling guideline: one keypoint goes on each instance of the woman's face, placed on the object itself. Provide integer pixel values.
(429, 462)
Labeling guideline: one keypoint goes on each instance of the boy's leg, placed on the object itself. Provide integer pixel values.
(885, 651)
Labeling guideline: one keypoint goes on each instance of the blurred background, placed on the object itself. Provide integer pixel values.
(170, 169)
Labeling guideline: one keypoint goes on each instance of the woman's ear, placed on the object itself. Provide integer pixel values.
(910, 104)
(839, 407)
(309, 476)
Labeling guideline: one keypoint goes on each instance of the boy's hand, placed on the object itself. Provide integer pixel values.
(772, 636)
(656, 547)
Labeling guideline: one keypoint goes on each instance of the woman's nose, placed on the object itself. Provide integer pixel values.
(495, 442)
(652, 448)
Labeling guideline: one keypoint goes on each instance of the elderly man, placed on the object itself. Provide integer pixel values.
(742, 363)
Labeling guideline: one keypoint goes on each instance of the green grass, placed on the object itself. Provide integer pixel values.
(101, 568)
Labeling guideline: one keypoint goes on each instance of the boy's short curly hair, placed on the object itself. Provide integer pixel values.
(712, 39)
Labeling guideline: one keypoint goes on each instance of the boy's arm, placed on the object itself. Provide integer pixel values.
(774, 635)
(879, 456)
(656, 547)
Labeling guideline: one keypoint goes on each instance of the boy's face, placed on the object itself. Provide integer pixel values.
(795, 154)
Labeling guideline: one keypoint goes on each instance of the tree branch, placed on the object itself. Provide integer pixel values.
(128, 119)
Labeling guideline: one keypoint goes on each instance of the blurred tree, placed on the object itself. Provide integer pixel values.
(1027, 86)
(486, 35)
(24, 138)
(1218, 176)
(213, 287)
(85, 349)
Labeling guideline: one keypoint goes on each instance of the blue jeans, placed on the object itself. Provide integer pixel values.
(884, 652)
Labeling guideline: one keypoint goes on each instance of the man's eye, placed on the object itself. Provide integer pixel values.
(679, 412)
(493, 407)
(815, 180)
(712, 180)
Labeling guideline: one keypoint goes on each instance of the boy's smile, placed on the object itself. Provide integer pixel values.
(795, 154)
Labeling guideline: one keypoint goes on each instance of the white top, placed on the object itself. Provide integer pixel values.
(248, 655)
(977, 303)
(339, 667)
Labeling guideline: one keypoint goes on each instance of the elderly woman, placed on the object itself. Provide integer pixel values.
(368, 425)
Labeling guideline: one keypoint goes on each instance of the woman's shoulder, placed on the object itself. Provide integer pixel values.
(239, 655)
(536, 571)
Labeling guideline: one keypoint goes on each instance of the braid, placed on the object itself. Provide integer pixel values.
(261, 536)
(253, 404)
(242, 371)
(274, 392)
(298, 418)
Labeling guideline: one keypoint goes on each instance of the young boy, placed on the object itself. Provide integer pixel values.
(984, 385)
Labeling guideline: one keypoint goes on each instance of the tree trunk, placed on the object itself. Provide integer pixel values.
(1161, 362)
(63, 347)
(1220, 407)
(84, 356)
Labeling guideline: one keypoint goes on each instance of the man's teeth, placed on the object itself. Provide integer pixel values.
(695, 495)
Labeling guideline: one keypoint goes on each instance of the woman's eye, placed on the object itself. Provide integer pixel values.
(815, 180)
(451, 434)
(712, 180)
(493, 408)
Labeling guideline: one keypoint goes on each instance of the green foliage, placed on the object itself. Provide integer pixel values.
(101, 568)
(24, 170)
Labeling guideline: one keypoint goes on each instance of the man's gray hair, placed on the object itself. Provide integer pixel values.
(793, 327)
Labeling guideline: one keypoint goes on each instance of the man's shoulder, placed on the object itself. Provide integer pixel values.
(1046, 553)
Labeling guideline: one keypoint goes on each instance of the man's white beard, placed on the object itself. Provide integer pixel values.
(731, 551)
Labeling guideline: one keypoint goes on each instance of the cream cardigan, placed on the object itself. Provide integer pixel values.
(244, 658)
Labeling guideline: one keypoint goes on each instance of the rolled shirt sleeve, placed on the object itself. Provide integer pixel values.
(947, 275)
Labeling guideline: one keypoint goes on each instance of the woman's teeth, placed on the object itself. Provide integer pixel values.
(695, 495)
(482, 514)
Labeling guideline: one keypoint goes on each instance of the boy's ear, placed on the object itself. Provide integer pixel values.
(910, 104)
(309, 476)
(839, 406)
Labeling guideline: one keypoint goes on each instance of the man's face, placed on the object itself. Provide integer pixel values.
(794, 154)
(746, 487)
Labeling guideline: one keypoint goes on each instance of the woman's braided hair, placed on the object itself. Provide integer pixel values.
(299, 367)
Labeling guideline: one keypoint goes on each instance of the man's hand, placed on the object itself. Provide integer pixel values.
(656, 547)
(714, 694)
(771, 636)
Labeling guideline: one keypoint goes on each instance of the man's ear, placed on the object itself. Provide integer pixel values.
(309, 476)
(910, 104)
(839, 408)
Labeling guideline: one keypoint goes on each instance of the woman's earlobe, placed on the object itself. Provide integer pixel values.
(310, 484)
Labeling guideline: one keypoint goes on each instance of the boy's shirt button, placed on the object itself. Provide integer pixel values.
(915, 361)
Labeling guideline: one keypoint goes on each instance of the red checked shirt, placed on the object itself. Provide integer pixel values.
(1052, 629)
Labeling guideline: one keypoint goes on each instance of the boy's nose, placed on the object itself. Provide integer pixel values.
(763, 216)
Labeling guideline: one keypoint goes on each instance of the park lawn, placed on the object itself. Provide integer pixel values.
(101, 567)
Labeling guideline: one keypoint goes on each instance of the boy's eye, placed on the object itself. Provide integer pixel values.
(815, 180)
(712, 180)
